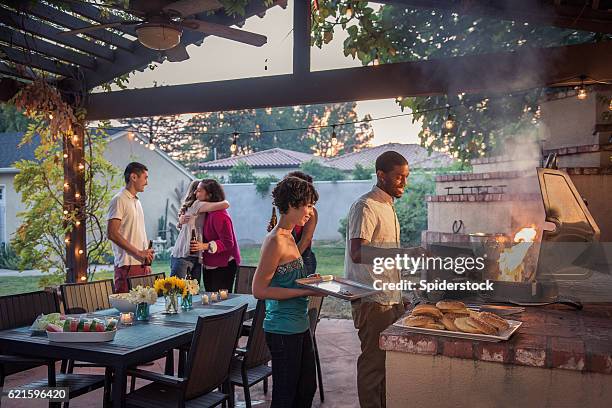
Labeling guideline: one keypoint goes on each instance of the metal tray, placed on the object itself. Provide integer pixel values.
(337, 286)
(503, 336)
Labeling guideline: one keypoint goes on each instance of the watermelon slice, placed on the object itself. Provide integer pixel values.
(81, 325)
(54, 328)
(74, 325)
(66, 325)
(86, 326)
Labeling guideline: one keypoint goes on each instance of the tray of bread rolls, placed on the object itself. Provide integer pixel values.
(452, 318)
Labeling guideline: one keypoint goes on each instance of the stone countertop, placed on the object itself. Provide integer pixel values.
(550, 337)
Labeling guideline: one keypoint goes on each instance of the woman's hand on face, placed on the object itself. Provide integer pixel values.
(196, 246)
(184, 219)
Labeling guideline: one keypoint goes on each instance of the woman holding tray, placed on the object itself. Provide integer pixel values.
(286, 324)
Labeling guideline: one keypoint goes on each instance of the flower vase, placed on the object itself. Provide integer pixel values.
(171, 303)
(187, 303)
(142, 311)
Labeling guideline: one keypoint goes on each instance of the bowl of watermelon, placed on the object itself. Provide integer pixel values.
(83, 330)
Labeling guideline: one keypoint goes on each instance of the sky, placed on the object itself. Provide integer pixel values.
(220, 59)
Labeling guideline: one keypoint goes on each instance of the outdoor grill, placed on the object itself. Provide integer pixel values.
(529, 267)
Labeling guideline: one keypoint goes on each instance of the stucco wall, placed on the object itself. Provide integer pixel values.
(13, 205)
(279, 173)
(163, 178)
(251, 213)
(426, 381)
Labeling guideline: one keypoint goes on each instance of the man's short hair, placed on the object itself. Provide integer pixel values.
(134, 167)
(388, 160)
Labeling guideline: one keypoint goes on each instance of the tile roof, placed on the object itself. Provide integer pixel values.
(10, 152)
(417, 156)
(270, 158)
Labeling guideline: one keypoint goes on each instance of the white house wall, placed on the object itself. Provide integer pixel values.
(13, 205)
(163, 178)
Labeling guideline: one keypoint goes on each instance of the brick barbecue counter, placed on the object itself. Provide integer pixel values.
(557, 348)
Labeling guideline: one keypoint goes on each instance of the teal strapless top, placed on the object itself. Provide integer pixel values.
(287, 316)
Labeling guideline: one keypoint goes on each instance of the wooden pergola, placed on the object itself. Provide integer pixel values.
(30, 36)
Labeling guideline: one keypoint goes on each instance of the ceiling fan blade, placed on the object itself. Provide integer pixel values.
(177, 54)
(226, 32)
(99, 27)
(189, 7)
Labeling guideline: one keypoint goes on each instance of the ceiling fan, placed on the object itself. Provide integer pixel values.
(163, 21)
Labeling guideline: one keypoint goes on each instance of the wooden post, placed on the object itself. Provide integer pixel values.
(301, 37)
(74, 201)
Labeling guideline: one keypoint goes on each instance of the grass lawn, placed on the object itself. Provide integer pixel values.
(330, 261)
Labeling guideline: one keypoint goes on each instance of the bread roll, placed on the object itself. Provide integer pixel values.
(450, 305)
(462, 325)
(435, 325)
(494, 320)
(418, 321)
(449, 323)
(481, 325)
(427, 310)
(454, 315)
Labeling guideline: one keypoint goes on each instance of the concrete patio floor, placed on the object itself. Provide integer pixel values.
(338, 350)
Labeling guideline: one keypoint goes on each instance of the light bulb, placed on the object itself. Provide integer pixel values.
(233, 147)
(50, 116)
(151, 146)
(221, 116)
(75, 139)
(334, 138)
(66, 185)
(81, 166)
(77, 223)
(65, 155)
(65, 212)
(80, 252)
(581, 93)
(83, 278)
(77, 195)
(449, 123)
(349, 11)
(67, 240)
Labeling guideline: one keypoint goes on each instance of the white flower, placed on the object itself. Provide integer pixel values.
(142, 295)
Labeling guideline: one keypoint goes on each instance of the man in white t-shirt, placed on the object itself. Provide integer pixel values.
(372, 231)
(126, 228)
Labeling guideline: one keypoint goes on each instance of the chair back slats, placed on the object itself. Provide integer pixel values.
(244, 280)
(212, 348)
(22, 309)
(257, 352)
(86, 297)
(144, 280)
(314, 310)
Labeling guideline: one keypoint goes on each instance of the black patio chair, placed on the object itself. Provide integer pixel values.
(21, 310)
(244, 279)
(207, 368)
(250, 365)
(314, 310)
(144, 280)
(86, 297)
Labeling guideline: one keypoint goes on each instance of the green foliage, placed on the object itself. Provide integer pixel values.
(11, 120)
(9, 258)
(342, 228)
(320, 172)
(39, 240)
(363, 173)
(241, 173)
(398, 33)
(262, 184)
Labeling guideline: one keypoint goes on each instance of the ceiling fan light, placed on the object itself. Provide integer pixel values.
(159, 36)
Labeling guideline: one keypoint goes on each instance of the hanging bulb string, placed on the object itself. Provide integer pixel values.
(355, 122)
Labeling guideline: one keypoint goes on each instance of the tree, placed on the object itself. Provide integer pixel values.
(320, 172)
(241, 173)
(363, 173)
(209, 135)
(39, 240)
(11, 119)
(396, 33)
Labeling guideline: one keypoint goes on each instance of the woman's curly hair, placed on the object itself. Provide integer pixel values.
(294, 192)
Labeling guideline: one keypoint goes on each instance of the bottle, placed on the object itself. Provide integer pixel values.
(193, 239)
(146, 262)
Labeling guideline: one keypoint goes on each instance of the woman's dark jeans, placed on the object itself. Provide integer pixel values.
(179, 266)
(293, 369)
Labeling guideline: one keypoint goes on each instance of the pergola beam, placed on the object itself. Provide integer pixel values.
(31, 59)
(575, 18)
(491, 73)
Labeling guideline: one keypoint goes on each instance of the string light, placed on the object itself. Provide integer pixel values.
(75, 139)
(349, 11)
(77, 223)
(77, 195)
(81, 166)
(334, 138)
(449, 123)
(581, 92)
(65, 212)
(80, 252)
(83, 278)
(67, 240)
(66, 186)
(234, 146)
(50, 116)
(65, 155)
(221, 116)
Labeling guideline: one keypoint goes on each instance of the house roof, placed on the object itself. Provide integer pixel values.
(417, 156)
(10, 151)
(271, 158)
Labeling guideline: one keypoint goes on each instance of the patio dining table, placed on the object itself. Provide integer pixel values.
(141, 342)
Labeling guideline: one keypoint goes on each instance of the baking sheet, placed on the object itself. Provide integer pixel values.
(338, 287)
(503, 336)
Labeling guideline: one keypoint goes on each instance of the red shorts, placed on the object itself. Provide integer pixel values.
(123, 272)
